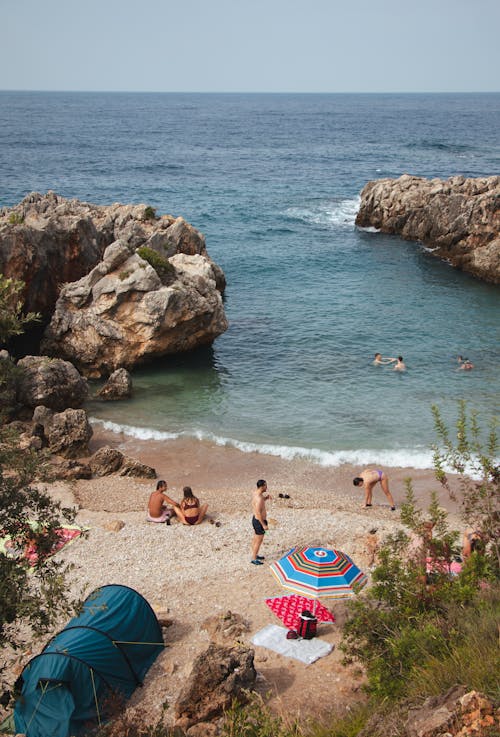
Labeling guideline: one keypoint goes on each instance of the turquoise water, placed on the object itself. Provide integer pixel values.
(273, 181)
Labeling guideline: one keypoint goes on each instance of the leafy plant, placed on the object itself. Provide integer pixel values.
(12, 319)
(149, 213)
(15, 218)
(160, 264)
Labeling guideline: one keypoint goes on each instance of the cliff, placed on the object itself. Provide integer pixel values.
(115, 285)
(458, 219)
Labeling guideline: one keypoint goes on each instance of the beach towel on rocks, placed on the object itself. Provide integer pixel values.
(65, 535)
(307, 651)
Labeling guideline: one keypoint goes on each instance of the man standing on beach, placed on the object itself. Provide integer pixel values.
(259, 520)
(367, 479)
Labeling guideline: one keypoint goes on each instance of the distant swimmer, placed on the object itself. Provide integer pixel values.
(367, 479)
(382, 360)
(400, 364)
(465, 364)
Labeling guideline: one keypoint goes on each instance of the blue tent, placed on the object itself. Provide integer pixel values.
(98, 659)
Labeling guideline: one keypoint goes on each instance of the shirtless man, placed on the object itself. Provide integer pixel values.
(367, 479)
(158, 511)
(400, 364)
(381, 361)
(259, 520)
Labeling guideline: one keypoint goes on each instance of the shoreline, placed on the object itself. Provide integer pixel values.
(209, 468)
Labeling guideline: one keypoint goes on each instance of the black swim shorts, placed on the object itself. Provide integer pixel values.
(259, 530)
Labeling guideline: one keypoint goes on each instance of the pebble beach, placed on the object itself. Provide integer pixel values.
(191, 573)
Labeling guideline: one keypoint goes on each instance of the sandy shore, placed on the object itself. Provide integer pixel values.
(195, 572)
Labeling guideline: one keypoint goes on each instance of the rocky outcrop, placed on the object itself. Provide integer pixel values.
(118, 386)
(458, 218)
(125, 311)
(50, 382)
(455, 713)
(48, 240)
(219, 676)
(107, 460)
(69, 433)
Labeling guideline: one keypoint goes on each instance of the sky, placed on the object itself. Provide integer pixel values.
(251, 45)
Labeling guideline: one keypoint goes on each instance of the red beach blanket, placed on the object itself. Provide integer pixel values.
(65, 535)
(289, 608)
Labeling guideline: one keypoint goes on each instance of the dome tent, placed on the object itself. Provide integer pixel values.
(100, 654)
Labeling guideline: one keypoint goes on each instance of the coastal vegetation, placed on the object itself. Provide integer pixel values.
(33, 590)
(160, 264)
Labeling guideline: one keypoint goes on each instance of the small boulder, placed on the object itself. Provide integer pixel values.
(131, 467)
(118, 386)
(105, 461)
(115, 525)
(52, 382)
(69, 433)
(70, 470)
(219, 676)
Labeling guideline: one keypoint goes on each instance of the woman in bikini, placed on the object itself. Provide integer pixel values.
(192, 510)
(367, 479)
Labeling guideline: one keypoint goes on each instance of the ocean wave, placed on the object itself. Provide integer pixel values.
(341, 213)
(420, 458)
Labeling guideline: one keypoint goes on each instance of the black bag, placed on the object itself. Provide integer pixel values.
(308, 625)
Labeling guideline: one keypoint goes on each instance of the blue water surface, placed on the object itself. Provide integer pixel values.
(273, 181)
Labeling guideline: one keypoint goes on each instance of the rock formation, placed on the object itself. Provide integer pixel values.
(118, 386)
(459, 218)
(219, 675)
(48, 240)
(50, 382)
(125, 312)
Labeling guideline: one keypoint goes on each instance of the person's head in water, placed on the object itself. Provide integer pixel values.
(400, 359)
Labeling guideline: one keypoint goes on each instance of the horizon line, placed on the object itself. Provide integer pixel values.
(260, 92)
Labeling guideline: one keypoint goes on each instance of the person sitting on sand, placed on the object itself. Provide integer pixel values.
(400, 364)
(382, 361)
(193, 511)
(158, 505)
(367, 479)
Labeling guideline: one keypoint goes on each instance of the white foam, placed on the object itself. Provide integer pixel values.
(327, 213)
(420, 458)
(141, 433)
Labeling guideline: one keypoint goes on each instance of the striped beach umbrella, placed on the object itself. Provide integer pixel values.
(318, 572)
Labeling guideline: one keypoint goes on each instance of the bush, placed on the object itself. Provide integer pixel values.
(160, 264)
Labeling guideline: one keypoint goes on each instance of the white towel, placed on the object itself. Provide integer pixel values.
(307, 651)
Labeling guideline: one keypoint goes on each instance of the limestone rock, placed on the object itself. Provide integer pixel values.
(227, 628)
(48, 240)
(69, 433)
(70, 470)
(118, 386)
(219, 676)
(106, 461)
(458, 218)
(456, 713)
(114, 525)
(51, 382)
(136, 469)
(121, 314)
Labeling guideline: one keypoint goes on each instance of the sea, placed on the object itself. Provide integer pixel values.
(273, 181)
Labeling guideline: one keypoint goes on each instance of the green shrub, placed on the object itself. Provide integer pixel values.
(160, 264)
(15, 218)
(149, 213)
